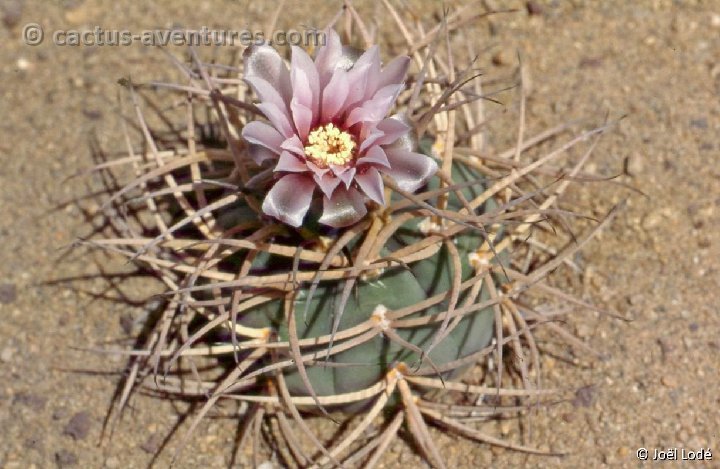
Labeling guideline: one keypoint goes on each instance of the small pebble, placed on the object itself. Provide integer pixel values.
(715, 20)
(12, 12)
(652, 220)
(32, 401)
(669, 381)
(634, 165)
(7, 354)
(533, 8)
(8, 293)
(153, 443)
(584, 397)
(23, 64)
(60, 414)
(505, 427)
(590, 62)
(112, 462)
(66, 458)
(93, 114)
(699, 123)
(127, 323)
(502, 57)
(79, 426)
(666, 348)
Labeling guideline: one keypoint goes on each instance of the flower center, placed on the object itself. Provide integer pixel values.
(329, 145)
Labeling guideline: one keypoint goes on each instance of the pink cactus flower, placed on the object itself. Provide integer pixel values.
(328, 130)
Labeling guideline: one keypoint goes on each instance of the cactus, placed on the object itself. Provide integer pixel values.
(392, 288)
(346, 263)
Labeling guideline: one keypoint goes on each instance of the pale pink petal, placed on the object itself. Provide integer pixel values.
(338, 169)
(394, 72)
(260, 154)
(303, 118)
(316, 169)
(334, 95)
(293, 145)
(290, 163)
(347, 176)
(260, 133)
(278, 118)
(358, 77)
(392, 128)
(410, 170)
(384, 132)
(408, 141)
(376, 108)
(344, 173)
(266, 93)
(289, 199)
(264, 62)
(369, 135)
(375, 156)
(345, 207)
(373, 76)
(305, 81)
(348, 58)
(370, 181)
(327, 183)
(327, 56)
(369, 57)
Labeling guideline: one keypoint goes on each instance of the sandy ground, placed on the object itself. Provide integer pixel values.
(658, 62)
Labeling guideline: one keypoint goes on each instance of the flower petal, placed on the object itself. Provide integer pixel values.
(370, 56)
(344, 208)
(373, 76)
(394, 72)
(260, 154)
(410, 170)
(373, 110)
(370, 181)
(348, 57)
(334, 95)
(278, 118)
(358, 76)
(384, 132)
(260, 133)
(289, 199)
(317, 169)
(347, 176)
(293, 145)
(264, 62)
(375, 156)
(290, 163)
(327, 183)
(303, 118)
(327, 56)
(393, 128)
(266, 93)
(408, 141)
(305, 81)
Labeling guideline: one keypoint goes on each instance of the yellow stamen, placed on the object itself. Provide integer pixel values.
(329, 145)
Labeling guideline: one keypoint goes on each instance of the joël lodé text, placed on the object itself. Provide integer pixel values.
(673, 454)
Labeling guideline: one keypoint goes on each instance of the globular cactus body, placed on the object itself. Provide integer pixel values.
(392, 289)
